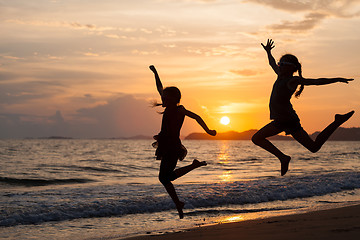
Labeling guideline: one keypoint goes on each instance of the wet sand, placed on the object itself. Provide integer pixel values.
(333, 224)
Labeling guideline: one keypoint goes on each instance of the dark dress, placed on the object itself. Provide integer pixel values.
(168, 146)
(281, 109)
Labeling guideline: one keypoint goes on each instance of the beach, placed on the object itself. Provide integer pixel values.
(338, 223)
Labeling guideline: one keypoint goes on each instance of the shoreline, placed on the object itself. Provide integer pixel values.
(326, 224)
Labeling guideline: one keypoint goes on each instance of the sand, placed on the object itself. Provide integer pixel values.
(338, 224)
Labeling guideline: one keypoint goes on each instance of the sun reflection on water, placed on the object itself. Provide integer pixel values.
(223, 155)
(223, 159)
(226, 176)
(233, 219)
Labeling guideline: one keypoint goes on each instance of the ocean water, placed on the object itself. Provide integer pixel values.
(105, 189)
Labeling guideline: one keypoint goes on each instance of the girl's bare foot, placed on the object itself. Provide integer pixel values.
(179, 207)
(341, 118)
(197, 163)
(285, 160)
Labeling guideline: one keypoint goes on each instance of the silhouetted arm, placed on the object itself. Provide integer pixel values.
(200, 121)
(323, 81)
(295, 81)
(270, 45)
(159, 85)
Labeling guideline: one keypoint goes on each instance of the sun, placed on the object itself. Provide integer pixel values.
(225, 120)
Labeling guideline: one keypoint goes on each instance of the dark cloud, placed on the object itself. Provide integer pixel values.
(43, 83)
(16, 92)
(8, 76)
(123, 116)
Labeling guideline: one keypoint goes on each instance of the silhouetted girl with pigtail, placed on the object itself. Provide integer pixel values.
(169, 148)
(282, 113)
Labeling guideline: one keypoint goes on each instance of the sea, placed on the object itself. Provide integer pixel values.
(109, 188)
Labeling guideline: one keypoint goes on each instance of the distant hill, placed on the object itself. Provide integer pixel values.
(141, 137)
(341, 134)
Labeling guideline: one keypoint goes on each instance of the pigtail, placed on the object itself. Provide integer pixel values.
(155, 103)
(297, 94)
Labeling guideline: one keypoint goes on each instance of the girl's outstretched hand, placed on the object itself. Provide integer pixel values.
(345, 80)
(212, 132)
(269, 45)
(152, 68)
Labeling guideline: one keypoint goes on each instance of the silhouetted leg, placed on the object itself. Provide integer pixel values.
(303, 138)
(184, 170)
(259, 139)
(166, 175)
(179, 205)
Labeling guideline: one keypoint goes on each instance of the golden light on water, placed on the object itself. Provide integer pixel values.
(226, 176)
(223, 155)
(223, 159)
(234, 219)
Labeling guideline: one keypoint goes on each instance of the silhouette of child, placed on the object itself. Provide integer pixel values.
(282, 113)
(169, 147)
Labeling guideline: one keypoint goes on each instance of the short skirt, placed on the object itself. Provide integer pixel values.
(169, 148)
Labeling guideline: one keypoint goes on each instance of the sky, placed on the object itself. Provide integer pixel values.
(79, 68)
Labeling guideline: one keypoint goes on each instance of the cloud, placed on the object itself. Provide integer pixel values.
(336, 8)
(234, 107)
(293, 6)
(123, 116)
(5, 75)
(15, 93)
(315, 12)
(43, 84)
(214, 50)
(245, 72)
(73, 25)
(311, 21)
(106, 31)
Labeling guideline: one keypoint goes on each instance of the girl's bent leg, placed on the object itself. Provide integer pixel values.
(184, 170)
(259, 139)
(303, 138)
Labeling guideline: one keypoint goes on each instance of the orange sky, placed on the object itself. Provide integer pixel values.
(80, 68)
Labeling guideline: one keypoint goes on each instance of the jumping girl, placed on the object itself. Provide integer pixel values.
(169, 148)
(282, 113)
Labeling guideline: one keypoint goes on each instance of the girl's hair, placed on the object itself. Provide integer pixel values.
(173, 93)
(292, 59)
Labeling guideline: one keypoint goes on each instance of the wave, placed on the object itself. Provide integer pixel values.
(115, 200)
(233, 211)
(82, 168)
(41, 182)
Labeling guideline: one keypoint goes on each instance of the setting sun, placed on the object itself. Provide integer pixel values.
(225, 120)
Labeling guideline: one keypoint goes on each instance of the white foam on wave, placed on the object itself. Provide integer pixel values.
(105, 201)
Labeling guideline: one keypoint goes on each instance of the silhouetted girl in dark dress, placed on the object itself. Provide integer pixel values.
(169, 148)
(282, 113)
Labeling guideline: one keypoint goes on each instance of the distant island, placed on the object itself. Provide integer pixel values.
(341, 134)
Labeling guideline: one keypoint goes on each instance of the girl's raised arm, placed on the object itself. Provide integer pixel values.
(200, 121)
(270, 45)
(159, 85)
